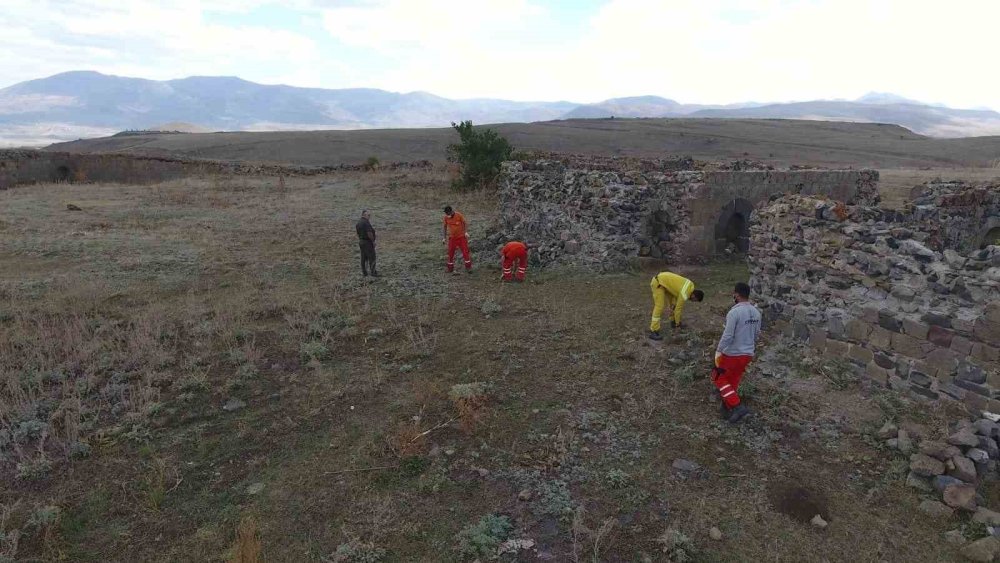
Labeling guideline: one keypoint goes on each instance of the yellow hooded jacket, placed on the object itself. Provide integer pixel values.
(669, 289)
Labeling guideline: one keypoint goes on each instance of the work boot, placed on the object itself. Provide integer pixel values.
(738, 414)
(655, 335)
(724, 411)
(376, 275)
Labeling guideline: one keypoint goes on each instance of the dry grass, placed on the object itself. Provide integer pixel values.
(177, 356)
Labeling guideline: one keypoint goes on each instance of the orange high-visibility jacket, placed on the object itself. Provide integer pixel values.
(455, 225)
(514, 249)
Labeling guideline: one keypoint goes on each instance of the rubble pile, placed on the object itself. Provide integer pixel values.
(904, 296)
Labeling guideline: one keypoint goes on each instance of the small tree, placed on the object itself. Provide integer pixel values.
(479, 153)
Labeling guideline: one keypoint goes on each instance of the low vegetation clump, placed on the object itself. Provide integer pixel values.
(482, 539)
(356, 551)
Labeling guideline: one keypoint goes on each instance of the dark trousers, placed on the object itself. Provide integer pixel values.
(367, 257)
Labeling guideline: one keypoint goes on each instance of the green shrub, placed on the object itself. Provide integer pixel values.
(484, 537)
(372, 163)
(480, 153)
(314, 351)
(356, 551)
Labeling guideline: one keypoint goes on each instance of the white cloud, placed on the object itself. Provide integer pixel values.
(708, 51)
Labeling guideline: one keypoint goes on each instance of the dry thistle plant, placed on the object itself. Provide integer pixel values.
(246, 548)
(470, 401)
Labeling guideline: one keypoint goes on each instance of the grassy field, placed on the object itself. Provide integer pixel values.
(780, 142)
(196, 371)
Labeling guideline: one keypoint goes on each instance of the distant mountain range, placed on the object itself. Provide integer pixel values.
(89, 104)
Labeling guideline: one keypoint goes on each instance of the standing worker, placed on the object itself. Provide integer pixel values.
(670, 289)
(515, 254)
(735, 351)
(457, 237)
(366, 239)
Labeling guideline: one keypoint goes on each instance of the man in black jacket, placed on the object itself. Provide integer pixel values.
(366, 239)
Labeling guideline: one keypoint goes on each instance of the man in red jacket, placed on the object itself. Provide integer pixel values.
(515, 255)
(457, 238)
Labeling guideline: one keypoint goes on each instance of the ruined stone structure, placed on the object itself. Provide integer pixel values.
(18, 167)
(603, 212)
(911, 297)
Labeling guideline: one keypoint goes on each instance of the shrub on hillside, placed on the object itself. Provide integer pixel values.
(480, 153)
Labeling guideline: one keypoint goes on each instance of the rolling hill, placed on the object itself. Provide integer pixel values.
(89, 104)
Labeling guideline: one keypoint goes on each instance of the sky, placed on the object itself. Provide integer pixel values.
(693, 51)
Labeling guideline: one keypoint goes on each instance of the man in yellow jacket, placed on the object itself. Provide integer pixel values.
(672, 290)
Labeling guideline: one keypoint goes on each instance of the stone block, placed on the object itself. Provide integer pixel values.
(817, 339)
(884, 360)
(926, 466)
(985, 352)
(916, 329)
(870, 315)
(936, 318)
(943, 359)
(963, 326)
(961, 345)
(924, 392)
(889, 322)
(953, 391)
(961, 496)
(880, 338)
(994, 406)
(986, 330)
(992, 311)
(920, 378)
(877, 373)
(907, 346)
(837, 349)
(964, 469)
(976, 388)
(861, 355)
(975, 401)
(858, 330)
(968, 371)
(940, 336)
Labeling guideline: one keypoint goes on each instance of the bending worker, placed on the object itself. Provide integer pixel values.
(673, 290)
(514, 254)
(457, 238)
(735, 350)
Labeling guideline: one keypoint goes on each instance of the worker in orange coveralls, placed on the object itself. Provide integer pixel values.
(515, 255)
(457, 238)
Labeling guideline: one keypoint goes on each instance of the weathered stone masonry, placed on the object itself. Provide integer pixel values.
(912, 298)
(601, 213)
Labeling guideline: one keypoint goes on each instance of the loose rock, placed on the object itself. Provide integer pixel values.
(715, 534)
(964, 469)
(904, 443)
(925, 466)
(936, 509)
(233, 404)
(984, 550)
(818, 522)
(939, 450)
(964, 437)
(986, 516)
(888, 430)
(960, 496)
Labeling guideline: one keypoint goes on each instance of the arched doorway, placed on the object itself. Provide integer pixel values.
(732, 230)
(991, 237)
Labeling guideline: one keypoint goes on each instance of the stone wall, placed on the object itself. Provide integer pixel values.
(903, 295)
(18, 167)
(601, 213)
